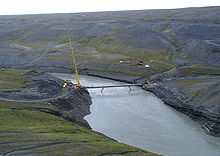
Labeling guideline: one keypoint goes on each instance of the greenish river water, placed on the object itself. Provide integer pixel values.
(140, 119)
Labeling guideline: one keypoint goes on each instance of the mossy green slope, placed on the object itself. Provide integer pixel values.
(200, 69)
(12, 78)
(25, 130)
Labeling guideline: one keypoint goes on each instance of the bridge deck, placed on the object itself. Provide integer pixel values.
(110, 86)
(122, 85)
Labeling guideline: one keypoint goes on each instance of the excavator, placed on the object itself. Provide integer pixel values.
(68, 82)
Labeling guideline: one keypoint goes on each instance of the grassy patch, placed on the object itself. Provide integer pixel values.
(204, 66)
(84, 58)
(41, 132)
(161, 59)
(111, 45)
(51, 57)
(81, 40)
(193, 81)
(117, 28)
(201, 69)
(29, 47)
(11, 78)
(133, 73)
(56, 57)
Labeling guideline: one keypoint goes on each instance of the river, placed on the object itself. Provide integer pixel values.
(140, 119)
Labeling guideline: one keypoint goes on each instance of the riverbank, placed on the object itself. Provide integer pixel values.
(137, 116)
(38, 116)
(192, 91)
(182, 91)
(128, 46)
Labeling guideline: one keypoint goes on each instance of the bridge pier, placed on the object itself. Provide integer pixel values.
(102, 89)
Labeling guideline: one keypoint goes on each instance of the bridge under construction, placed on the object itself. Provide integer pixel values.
(78, 85)
(110, 86)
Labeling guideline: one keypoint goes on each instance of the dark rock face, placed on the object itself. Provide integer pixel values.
(141, 36)
(77, 29)
(18, 59)
(206, 51)
(77, 103)
(42, 86)
(207, 116)
(196, 31)
(47, 90)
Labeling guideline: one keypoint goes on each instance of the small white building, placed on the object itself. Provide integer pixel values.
(147, 66)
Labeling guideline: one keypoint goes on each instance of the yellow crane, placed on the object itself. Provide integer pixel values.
(74, 64)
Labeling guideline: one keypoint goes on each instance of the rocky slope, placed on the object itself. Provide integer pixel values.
(165, 40)
(165, 36)
(196, 95)
(42, 118)
(45, 89)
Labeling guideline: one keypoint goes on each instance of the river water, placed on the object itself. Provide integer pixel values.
(140, 119)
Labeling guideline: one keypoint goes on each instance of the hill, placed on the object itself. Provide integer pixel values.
(179, 48)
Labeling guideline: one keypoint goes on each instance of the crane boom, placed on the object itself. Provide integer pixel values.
(74, 63)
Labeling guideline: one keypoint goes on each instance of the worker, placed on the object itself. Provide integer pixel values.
(64, 85)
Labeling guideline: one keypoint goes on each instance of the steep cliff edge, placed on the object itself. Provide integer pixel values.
(195, 95)
(39, 117)
(44, 89)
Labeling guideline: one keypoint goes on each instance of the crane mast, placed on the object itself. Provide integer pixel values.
(74, 63)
